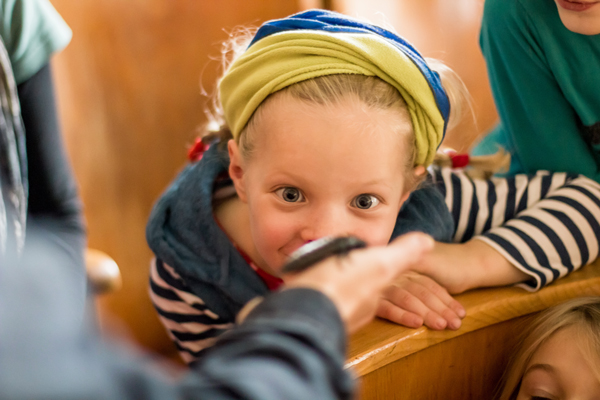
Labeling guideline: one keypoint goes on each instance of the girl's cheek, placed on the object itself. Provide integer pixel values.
(378, 233)
(275, 231)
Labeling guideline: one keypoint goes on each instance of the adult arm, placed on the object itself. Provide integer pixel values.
(291, 346)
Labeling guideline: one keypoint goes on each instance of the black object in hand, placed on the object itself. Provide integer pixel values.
(314, 252)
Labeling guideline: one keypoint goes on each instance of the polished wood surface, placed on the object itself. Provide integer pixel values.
(401, 363)
(130, 90)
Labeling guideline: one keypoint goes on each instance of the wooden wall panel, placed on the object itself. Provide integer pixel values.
(129, 90)
(448, 31)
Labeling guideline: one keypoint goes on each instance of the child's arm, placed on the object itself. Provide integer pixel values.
(539, 227)
(191, 326)
(544, 225)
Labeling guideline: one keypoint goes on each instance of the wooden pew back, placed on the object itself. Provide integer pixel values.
(394, 362)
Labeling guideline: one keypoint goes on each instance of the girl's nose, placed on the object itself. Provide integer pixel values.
(330, 221)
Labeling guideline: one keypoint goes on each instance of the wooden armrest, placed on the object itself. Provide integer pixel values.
(103, 273)
(377, 351)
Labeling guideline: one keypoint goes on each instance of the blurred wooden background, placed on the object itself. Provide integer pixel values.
(130, 90)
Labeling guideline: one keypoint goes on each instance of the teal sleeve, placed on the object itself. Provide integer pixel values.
(32, 31)
(536, 117)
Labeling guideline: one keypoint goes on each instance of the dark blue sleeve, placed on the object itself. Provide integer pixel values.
(426, 211)
(292, 346)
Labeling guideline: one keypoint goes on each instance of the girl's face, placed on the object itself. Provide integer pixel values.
(558, 370)
(580, 16)
(319, 170)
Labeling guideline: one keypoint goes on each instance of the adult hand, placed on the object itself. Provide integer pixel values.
(415, 299)
(356, 282)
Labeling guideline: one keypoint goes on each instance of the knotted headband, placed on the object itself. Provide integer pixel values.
(318, 43)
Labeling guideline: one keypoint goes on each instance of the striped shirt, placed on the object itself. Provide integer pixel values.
(546, 224)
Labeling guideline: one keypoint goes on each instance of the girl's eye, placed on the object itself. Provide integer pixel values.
(365, 201)
(290, 194)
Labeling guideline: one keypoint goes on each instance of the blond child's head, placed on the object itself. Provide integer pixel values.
(559, 356)
(333, 124)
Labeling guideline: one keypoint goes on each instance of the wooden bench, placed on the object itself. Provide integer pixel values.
(394, 362)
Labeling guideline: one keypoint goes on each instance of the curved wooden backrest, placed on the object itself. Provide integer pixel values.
(394, 362)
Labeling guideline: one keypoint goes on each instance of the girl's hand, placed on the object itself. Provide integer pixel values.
(415, 299)
(355, 282)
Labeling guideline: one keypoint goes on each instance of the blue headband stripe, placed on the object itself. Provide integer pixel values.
(327, 21)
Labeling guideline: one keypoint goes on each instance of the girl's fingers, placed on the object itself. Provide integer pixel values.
(437, 310)
(391, 312)
(435, 297)
(442, 294)
(415, 299)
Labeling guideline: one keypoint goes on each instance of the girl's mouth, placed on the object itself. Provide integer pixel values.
(575, 5)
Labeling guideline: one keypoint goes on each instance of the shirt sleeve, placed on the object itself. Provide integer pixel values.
(540, 124)
(547, 224)
(291, 346)
(189, 323)
(32, 31)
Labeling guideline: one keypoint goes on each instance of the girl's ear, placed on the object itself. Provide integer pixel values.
(236, 169)
(404, 198)
(419, 170)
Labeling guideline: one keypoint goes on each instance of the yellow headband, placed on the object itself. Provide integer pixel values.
(282, 59)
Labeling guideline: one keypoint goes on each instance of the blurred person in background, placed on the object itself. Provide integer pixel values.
(36, 180)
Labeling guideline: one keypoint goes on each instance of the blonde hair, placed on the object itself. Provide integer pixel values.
(583, 314)
(330, 89)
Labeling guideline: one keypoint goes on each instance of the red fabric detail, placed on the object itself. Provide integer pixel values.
(459, 160)
(271, 281)
(197, 150)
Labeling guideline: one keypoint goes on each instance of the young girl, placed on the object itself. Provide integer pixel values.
(543, 59)
(559, 357)
(333, 122)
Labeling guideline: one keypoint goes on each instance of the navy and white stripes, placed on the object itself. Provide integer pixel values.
(191, 326)
(544, 224)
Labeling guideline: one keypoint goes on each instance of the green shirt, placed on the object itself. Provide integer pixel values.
(31, 31)
(546, 84)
